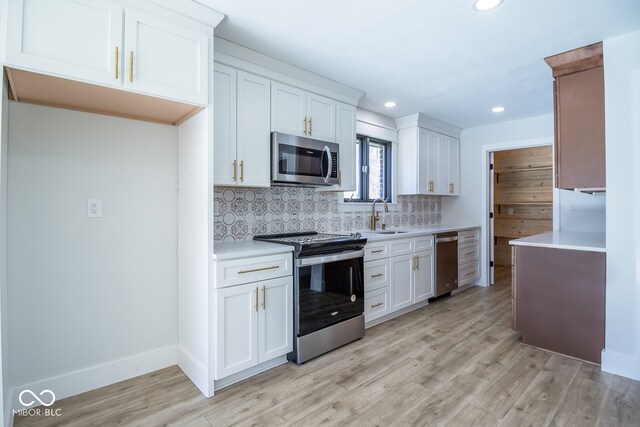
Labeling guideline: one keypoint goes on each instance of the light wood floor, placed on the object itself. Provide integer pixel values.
(456, 363)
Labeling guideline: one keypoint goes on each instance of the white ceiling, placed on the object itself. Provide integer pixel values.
(438, 57)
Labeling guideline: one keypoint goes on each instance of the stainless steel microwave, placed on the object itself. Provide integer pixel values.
(304, 161)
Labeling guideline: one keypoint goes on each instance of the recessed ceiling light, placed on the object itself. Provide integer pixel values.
(390, 104)
(498, 109)
(484, 5)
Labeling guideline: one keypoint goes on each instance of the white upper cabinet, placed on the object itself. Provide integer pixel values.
(322, 117)
(242, 137)
(78, 38)
(430, 163)
(254, 136)
(346, 137)
(165, 59)
(98, 42)
(296, 112)
(224, 128)
(288, 110)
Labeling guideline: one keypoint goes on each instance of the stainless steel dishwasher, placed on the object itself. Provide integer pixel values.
(446, 271)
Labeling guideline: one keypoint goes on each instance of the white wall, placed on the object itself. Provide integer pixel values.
(622, 109)
(470, 206)
(90, 291)
(5, 394)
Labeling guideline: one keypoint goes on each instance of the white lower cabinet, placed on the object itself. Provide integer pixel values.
(254, 324)
(402, 281)
(468, 256)
(424, 276)
(398, 274)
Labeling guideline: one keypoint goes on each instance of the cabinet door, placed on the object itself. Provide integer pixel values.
(69, 38)
(429, 162)
(321, 114)
(224, 128)
(424, 276)
(346, 137)
(401, 285)
(254, 136)
(275, 318)
(454, 167)
(288, 109)
(448, 166)
(580, 145)
(165, 59)
(236, 329)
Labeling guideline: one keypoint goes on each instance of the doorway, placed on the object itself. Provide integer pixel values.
(521, 201)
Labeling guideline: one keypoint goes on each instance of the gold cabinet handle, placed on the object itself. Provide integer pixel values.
(378, 251)
(255, 270)
(264, 298)
(235, 170)
(377, 275)
(131, 66)
(470, 274)
(305, 125)
(241, 170)
(417, 263)
(117, 62)
(310, 126)
(256, 298)
(469, 253)
(377, 305)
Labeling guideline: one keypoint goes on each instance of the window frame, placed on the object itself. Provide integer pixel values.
(363, 141)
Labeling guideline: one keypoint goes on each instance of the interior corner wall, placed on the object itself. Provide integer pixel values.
(469, 207)
(91, 300)
(5, 390)
(622, 109)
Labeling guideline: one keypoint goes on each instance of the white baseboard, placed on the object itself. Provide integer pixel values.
(243, 375)
(196, 371)
(94, 377)
(621, 364)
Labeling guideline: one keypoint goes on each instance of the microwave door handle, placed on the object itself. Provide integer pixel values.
(326, 151)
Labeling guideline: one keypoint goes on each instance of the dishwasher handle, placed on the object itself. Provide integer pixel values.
(446, 239)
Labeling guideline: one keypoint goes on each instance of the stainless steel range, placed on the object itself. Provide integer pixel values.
(328, 291)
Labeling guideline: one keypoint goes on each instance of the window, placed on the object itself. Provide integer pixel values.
(373, 170)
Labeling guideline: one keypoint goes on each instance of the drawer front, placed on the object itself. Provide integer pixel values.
(239, 271)
(376, 250)
(468, 252)
(376, 274)
(424, 242)
(376, 304)
(401, 247)
(468, 273)
(466, 236)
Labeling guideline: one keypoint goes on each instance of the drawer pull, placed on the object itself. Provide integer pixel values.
(470, 253)
(377, 305)
(378, 251)
(471, 273)
(377, 275)
(273, 267)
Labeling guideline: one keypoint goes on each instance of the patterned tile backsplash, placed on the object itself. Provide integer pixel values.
(242, 213)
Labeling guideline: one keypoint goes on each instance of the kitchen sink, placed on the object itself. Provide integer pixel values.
(389, 232)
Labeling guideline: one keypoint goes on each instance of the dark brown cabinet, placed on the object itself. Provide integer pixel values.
(579, 118)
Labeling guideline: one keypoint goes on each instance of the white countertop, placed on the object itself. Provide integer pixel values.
(252, 248)
(574, 240)
(247, 248)
(412, 231)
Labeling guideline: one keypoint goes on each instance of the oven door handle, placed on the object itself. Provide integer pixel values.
(304, 262)
(326, 156)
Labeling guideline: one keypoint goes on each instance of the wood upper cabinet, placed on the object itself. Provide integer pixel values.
(296, 112)
(579, 118)
(99, 42)
(82, 39)
(241, 128)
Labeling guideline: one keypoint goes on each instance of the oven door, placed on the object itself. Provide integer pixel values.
(303, 161)
(329, 290)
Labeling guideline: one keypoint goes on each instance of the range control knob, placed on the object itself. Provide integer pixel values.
(355, 235)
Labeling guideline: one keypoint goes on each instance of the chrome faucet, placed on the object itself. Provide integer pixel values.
(374, 215)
